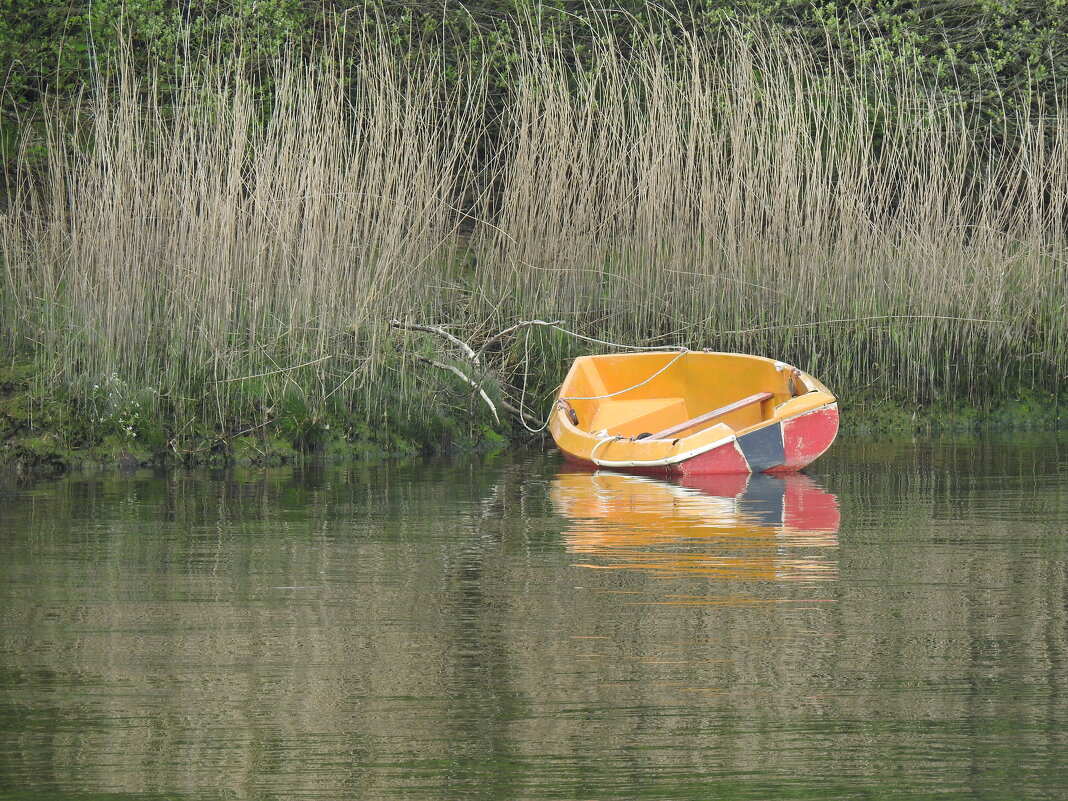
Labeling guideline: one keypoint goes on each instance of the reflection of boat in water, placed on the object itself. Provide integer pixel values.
(758, 526)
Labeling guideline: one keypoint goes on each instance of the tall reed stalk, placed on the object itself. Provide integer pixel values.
(226, 253)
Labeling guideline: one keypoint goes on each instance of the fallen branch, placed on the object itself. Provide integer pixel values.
(508, 407)
(480, 371)
(453, 369)
(512, 329)
(467, 350)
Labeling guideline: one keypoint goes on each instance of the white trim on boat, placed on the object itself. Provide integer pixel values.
(832, 405)
(664, 462)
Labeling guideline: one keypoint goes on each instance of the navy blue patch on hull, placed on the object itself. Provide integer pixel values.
(763, 448)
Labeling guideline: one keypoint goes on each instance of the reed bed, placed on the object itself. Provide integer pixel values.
(744, 198)
(232, 256)
(227, 257)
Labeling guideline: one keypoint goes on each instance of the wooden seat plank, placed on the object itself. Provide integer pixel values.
(709, 416)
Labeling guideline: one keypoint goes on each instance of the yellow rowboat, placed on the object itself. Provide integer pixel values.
(692, 413)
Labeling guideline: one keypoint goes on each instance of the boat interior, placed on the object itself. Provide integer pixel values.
(673, 396)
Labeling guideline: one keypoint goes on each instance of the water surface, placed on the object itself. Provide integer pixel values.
(892, 625)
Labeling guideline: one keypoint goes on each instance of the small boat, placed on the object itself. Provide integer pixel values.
(692, 412)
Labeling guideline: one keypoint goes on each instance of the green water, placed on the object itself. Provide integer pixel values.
(894, 626)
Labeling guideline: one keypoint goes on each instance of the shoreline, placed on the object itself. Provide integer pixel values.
(46, 435)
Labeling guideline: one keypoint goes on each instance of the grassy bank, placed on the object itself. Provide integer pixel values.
(222, 260)
(44, 432)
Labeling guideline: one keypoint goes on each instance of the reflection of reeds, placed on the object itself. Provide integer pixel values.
(731, 194)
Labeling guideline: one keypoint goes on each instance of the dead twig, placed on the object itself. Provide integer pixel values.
(508, 407)
(467, 350)
(512, 329)
(466, 378)
(475, 358)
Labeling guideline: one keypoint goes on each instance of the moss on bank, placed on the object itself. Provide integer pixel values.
(1023, 410)
(49, 433)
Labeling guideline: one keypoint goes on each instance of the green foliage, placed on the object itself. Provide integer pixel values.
(54, 49)
(993, 53)
(1023, 409)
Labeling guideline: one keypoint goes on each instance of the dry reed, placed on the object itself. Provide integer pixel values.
(223, 258)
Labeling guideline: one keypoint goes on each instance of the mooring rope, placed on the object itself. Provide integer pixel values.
(526, 360)
(474, 357)
(678, 356)
(523, 392)
(563, 330)
(600, 442)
